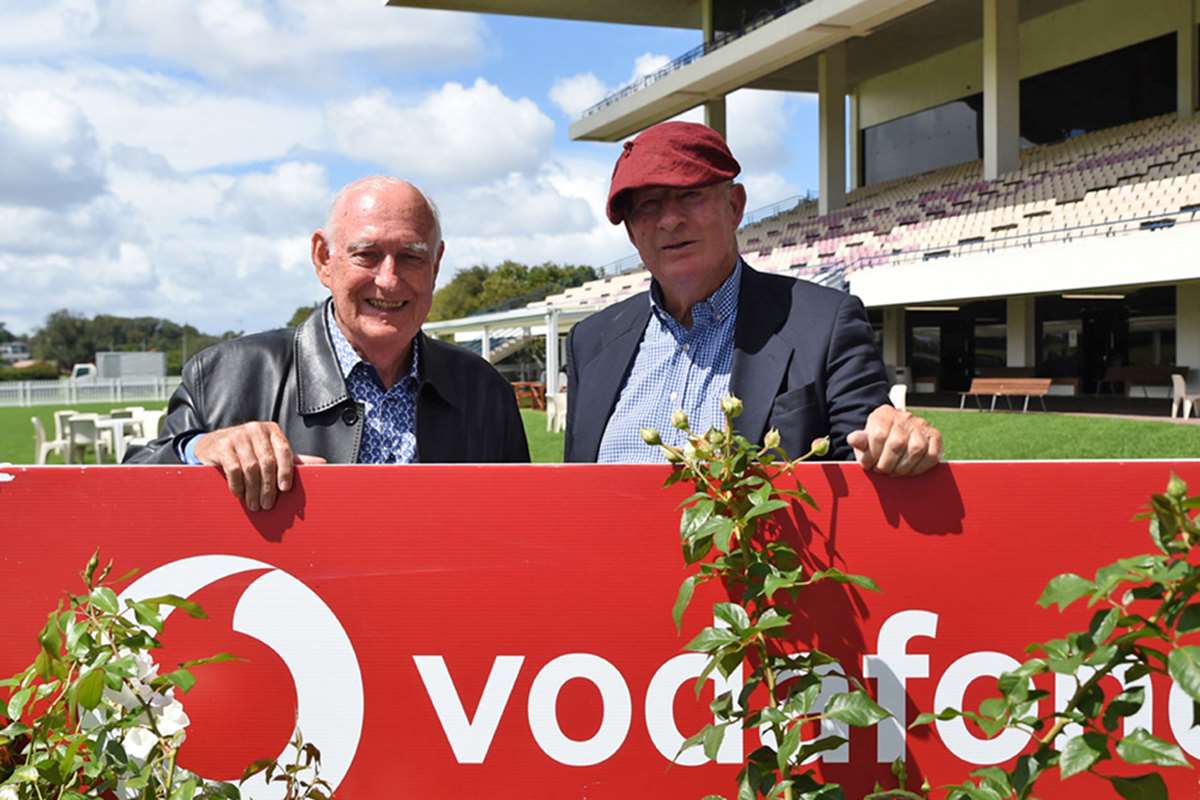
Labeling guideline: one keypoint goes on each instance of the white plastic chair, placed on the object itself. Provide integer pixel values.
(81, 432)
(153, 423)
(1179, 395)
(43, 446)
(60, 422)
(898, 394)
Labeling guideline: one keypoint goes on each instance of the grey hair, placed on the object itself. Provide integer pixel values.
(380, 181)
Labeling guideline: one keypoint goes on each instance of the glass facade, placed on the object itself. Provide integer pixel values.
(1123, 86)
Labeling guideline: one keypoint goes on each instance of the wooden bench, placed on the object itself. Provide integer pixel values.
(1006, 388)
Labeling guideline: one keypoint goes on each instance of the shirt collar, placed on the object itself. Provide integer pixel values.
(348, 358)
(717, 307)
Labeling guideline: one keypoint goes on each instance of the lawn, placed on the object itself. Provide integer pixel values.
(968, 435)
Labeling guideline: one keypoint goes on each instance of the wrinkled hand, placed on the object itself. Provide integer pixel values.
(896, 443)
(256, 460)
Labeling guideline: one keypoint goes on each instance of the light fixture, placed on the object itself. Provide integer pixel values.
(1089, 296)
(931, 308)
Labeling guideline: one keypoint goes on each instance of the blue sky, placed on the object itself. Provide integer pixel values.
(173, 158)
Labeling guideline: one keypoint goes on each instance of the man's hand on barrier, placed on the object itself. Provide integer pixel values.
(896, 443)
(256, 459)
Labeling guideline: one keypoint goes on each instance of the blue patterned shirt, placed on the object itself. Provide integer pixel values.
(675, 367)
(390, 415)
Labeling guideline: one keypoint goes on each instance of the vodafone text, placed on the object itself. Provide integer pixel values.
(891, 668)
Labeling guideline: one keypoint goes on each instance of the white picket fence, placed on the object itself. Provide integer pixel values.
(69, 393)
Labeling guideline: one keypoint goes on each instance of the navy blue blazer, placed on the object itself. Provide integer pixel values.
(804, 361)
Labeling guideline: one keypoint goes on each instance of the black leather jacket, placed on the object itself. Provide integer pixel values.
(466, 411)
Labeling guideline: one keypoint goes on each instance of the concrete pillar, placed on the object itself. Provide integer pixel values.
(552, 365)
(1001, 87)
(714, 115)
(1189, 61)
(1187, 329)
(855, 181)
(893, 337)
(485, 344)
(1021, 332)
(831, 83)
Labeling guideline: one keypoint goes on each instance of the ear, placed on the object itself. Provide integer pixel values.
(437, 259)
(321, 257)
(629, 233)
(737, 200)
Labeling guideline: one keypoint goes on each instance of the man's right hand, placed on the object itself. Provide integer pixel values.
(256, 459)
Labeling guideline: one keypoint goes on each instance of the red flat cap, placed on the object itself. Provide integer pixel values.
(676, 154)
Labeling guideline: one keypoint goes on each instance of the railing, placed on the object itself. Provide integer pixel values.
(720, 39)
(1119, 227)
(69, 393)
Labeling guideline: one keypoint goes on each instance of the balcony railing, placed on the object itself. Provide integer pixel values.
(720, 39)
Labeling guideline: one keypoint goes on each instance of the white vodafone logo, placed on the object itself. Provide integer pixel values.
(287, 616)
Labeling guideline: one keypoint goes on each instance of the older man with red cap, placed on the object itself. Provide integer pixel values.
(801, 357)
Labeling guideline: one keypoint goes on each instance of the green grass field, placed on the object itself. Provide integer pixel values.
(968, 435)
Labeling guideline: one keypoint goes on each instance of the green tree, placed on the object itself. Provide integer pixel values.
(64, 339)
(302, 313)
(5, 334)
(510, 284)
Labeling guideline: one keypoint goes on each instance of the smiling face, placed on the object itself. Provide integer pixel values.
(687, 238)
(379, 257)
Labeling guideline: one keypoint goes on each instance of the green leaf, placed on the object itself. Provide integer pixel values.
(1189, 620)
(90, 688)
(25, 773)
(766, 508)
(1081, 752)
(1103, 624)
(855, 708)
(710, 639)
(772, 620)
(1125, 704)
(89, 571)
(692, 518)
(713, 736)
(1183, 665)
(105, 599)
(838, 576)
(733, 615)
(1140, 747)
(781, 580)
(686, 590)
(1143, 787)
(1065, 589)
(16, 703)
(181, 678)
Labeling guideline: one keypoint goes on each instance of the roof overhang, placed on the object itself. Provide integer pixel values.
(799, 34)
(660, 13)
(513, 318)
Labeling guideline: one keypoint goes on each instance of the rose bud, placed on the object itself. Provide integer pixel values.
(715, 437)
(731, 406)
(820, 446)
(680, 419)
(771, 440)
(673, 456)
(650, 436)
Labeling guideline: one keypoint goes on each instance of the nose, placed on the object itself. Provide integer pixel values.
(671, 215)
(387, 276)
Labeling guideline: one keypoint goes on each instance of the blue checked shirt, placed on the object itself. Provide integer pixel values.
(390, 415)
(675, 367)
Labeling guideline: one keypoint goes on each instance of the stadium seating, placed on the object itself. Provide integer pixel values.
(1135, 177)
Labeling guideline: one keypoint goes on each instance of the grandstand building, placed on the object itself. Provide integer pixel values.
(1011, 186)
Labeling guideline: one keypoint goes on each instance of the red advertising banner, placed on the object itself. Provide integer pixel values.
(505, 631)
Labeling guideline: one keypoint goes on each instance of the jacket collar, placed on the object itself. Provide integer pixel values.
(319, 382)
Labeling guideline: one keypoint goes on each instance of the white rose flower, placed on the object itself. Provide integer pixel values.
(8, 792)
(172, 719)
(138, 743)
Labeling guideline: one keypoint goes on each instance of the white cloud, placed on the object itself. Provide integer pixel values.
(189, 124)
(290, 199)
(647, 64)
(456, 133)
(309, 41)
(578, 93)
(48, 152)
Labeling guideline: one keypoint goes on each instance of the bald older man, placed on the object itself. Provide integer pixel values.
(357, 382)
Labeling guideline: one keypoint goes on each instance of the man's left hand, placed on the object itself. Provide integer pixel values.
(896, 443)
